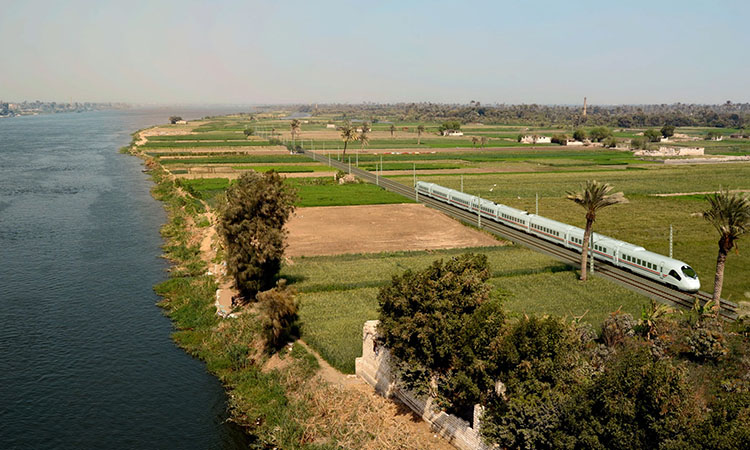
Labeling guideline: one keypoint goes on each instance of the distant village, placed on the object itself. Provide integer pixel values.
(25, 108)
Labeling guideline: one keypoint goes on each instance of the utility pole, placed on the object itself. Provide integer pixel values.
(537, 204)
(415, 174)
(670, 241)
(350, 165)
(462, 182)
(591, 252)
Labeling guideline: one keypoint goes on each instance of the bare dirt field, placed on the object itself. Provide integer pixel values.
(377, 228)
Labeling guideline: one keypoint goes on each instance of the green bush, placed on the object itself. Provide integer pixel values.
(427, 320)
(278, 309)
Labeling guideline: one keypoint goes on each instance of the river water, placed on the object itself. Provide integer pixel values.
(86, 359)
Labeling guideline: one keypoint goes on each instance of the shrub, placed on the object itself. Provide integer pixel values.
(278, 309)
(598, 134)
(637, 403)
(652, 135)
(579, 135)
(617, 327)
(428, 321)
(639, 143)
(706, 342)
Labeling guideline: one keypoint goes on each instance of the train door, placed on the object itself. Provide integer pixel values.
(475, 204)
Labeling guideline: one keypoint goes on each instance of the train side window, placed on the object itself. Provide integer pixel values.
(674, 274)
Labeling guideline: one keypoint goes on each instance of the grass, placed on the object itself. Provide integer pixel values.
(326, 192)
(235, 159)
(645, 220)
(285, 169)
(339, 293)
(311, 192)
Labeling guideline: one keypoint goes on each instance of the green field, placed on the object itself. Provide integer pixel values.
(338, 293)
(286, 169)
(311, 192)
(644, 221)
(326, 192)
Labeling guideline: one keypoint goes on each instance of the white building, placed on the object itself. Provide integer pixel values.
(453, 133)
(331, 125)
(534, 139)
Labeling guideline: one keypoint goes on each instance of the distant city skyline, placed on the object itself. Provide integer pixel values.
(262, 52)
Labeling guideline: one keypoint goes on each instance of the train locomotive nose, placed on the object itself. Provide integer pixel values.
(693, 285)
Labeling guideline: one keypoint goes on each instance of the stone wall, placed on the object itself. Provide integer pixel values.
(375, 368)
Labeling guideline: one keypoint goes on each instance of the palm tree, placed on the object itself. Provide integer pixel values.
(593, 196)
(295, 125)
(348, 133)
(393, 130)
(363, 138)
(420, 130)
(730, 215)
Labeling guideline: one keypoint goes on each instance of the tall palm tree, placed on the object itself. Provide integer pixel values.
(593, 196)
(348, 133)
(393, 130)
(420, 130)
(363, 139)
(295, 126)
(730, 215)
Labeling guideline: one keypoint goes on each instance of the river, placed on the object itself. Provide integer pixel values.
(86, 360)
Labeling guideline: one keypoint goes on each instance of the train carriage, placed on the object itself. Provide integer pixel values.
(622, 254)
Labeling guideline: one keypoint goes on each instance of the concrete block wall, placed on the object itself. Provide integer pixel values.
(375, 368)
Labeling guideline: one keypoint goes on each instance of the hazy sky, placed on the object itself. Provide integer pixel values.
(281, 51)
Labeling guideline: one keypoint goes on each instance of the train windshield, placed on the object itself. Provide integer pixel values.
(689, 272)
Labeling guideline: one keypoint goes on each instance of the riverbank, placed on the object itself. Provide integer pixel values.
(289, 399)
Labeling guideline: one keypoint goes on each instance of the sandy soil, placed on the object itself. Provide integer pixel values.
(377, 228)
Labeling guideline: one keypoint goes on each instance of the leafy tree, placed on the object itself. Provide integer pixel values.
(598, 134)
(729, 213)
(652, 135)
(248, 131)
(427, 321)
(252, 222)
(593, 196)
(278, 309)
(392, 129)
(560, 139)
(579, 135)
(667, 131)
(639, 143)
(174, 119)
(420, 130)
(474, 141)
(365, 127)
(538, 361)
(610, 142)
(348, 133)
(450, 125)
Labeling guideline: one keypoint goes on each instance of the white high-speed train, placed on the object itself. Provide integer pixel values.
(663, 269)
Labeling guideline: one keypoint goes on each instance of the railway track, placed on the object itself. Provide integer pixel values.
(629, 280)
